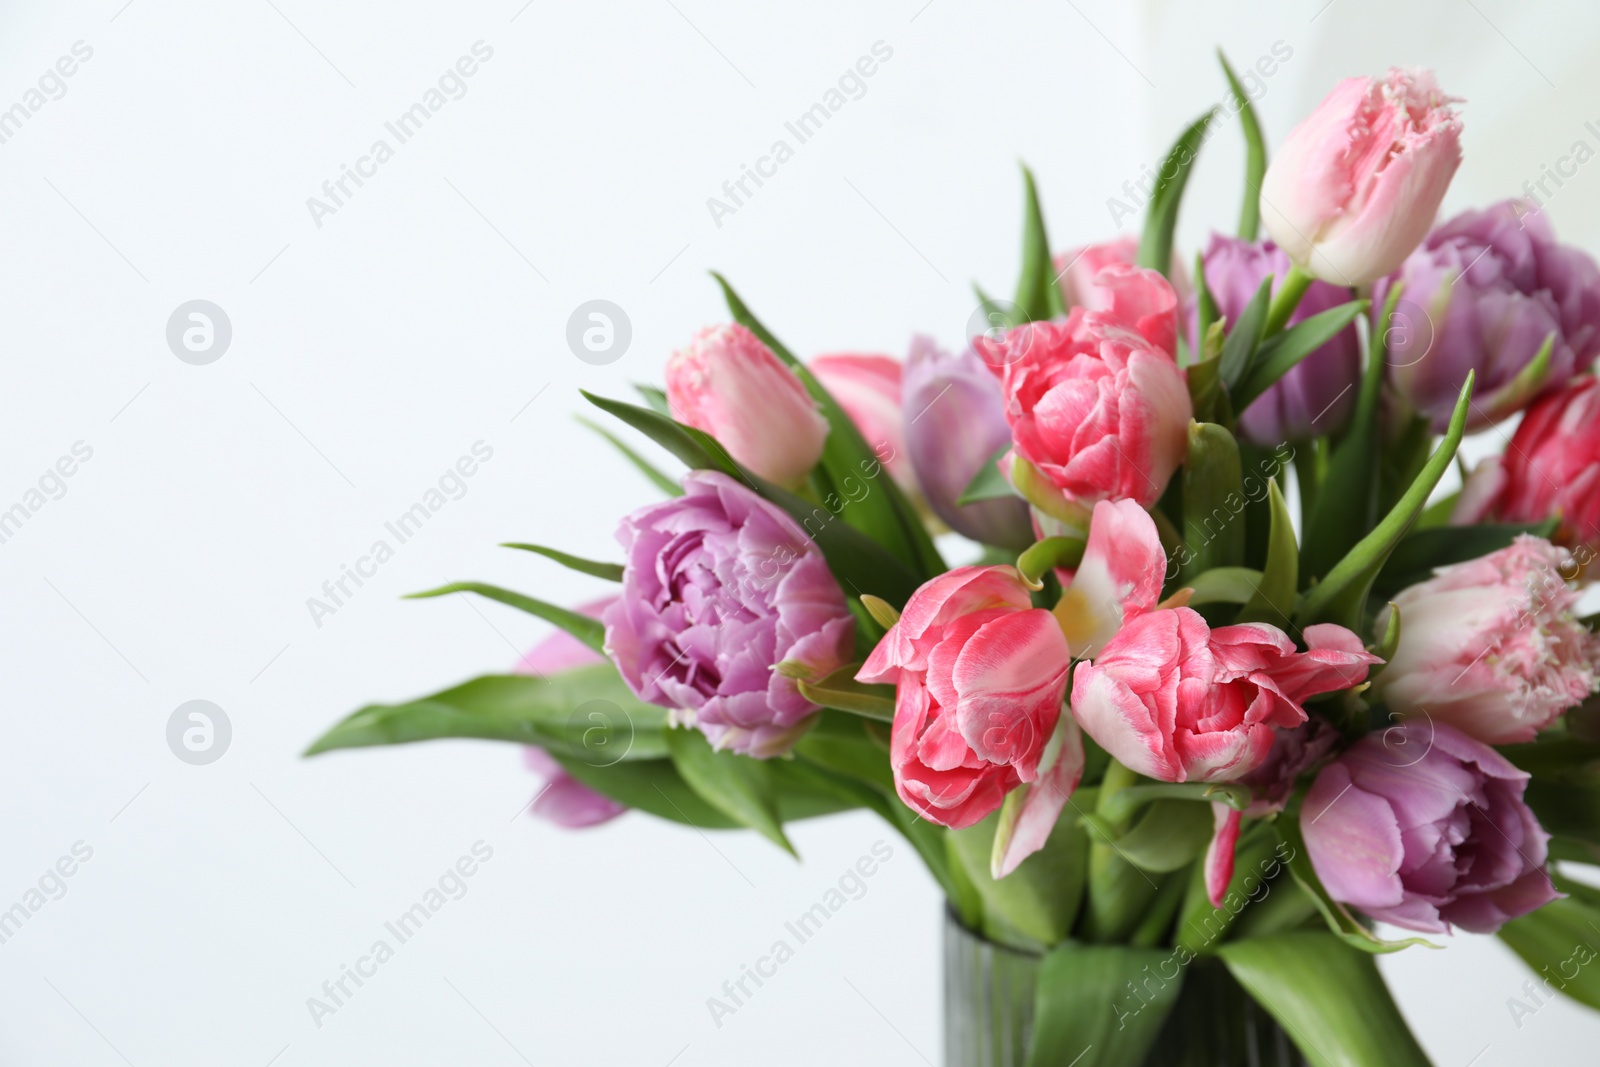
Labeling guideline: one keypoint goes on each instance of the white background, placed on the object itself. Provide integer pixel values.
(425, 315)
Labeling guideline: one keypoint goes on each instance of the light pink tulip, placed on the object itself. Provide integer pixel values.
(1219, 854)
(868, 388)
(564, 800)
(1491, 646)
(1120, 577)
(980, 676)
(1079, 270)
(1097, 405)
(1355, 187)
(729, 384)
(1178, 701)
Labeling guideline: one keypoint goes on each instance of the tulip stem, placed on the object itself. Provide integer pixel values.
(1287, 298)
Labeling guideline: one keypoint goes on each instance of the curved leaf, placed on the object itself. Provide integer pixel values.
(590, 631)
(738, 786)
(611, 572)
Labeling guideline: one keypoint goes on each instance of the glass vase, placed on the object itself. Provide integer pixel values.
(989, 1011)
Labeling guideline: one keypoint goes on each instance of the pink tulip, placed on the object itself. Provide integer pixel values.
(1492, 646)
(1079, 270)
(1097, 405)
(1355, 187)
(980, 675)
(730, 385)
(868, 388)
(564, 800)
(1551, 469)
(1178, 701)
(1119, 577)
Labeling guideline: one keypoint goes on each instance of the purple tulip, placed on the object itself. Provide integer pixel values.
(1482, 294)
(1423, 827)
(1318, 394)
(719, 588)
(954, 422)
(564, 800)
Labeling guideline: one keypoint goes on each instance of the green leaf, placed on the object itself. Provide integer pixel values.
(988, 483)
(1328, 996)
(612, 572)
(842, 692)
(653, 786)
(1568, 806)
(1279, 355)
(1422, 550)
(1168, 836)
(1224, 585)
(860, 564)
(1255, 162)
(590, 631)
(1343, 592)
(738, 786)
(1274, 600)
(655, 397)
(587, 714)
(1086, 1013)
(1243, 338)
(1205, 306)
(1213, 501)
(1559, 941)
(1035, 905)
(644, 466)
(883, 513)
(1161, 222)
(1038, 295)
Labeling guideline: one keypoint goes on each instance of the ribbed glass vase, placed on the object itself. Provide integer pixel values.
(989, 1008)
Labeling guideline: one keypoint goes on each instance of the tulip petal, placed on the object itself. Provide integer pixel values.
(1059, 773)
(1219, 855)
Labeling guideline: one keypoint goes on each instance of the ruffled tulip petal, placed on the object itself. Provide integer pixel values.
(1219, 854)
(1120, 577)
(1059, 774)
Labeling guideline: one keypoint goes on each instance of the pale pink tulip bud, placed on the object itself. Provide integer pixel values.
(729, 384)
(1355, 187)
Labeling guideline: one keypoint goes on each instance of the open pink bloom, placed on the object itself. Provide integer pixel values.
(1097, 405)
(1120, 577)
(868, 388)
(1421, 826)
(1178, 701)
(1551, 469)
(564, 800)
(1355, 187)
(1492, 646)
(980, 674)
(729, 384)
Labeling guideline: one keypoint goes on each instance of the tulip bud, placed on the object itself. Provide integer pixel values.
(730, 385)
(1491, 645)
(868, 388)
(1356, 185)
(955, 421)
(1316, 396)
(1491, 288)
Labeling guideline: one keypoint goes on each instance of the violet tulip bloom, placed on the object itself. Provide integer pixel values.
(564, 800)
(1354, 187)
(1486, 291)
(719, 587)
(955, 422)
(729, 384)
(1421, 826)
(1317, 395)
(1492, 646)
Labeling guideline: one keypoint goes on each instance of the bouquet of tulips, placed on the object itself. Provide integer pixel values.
(1154, 716)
